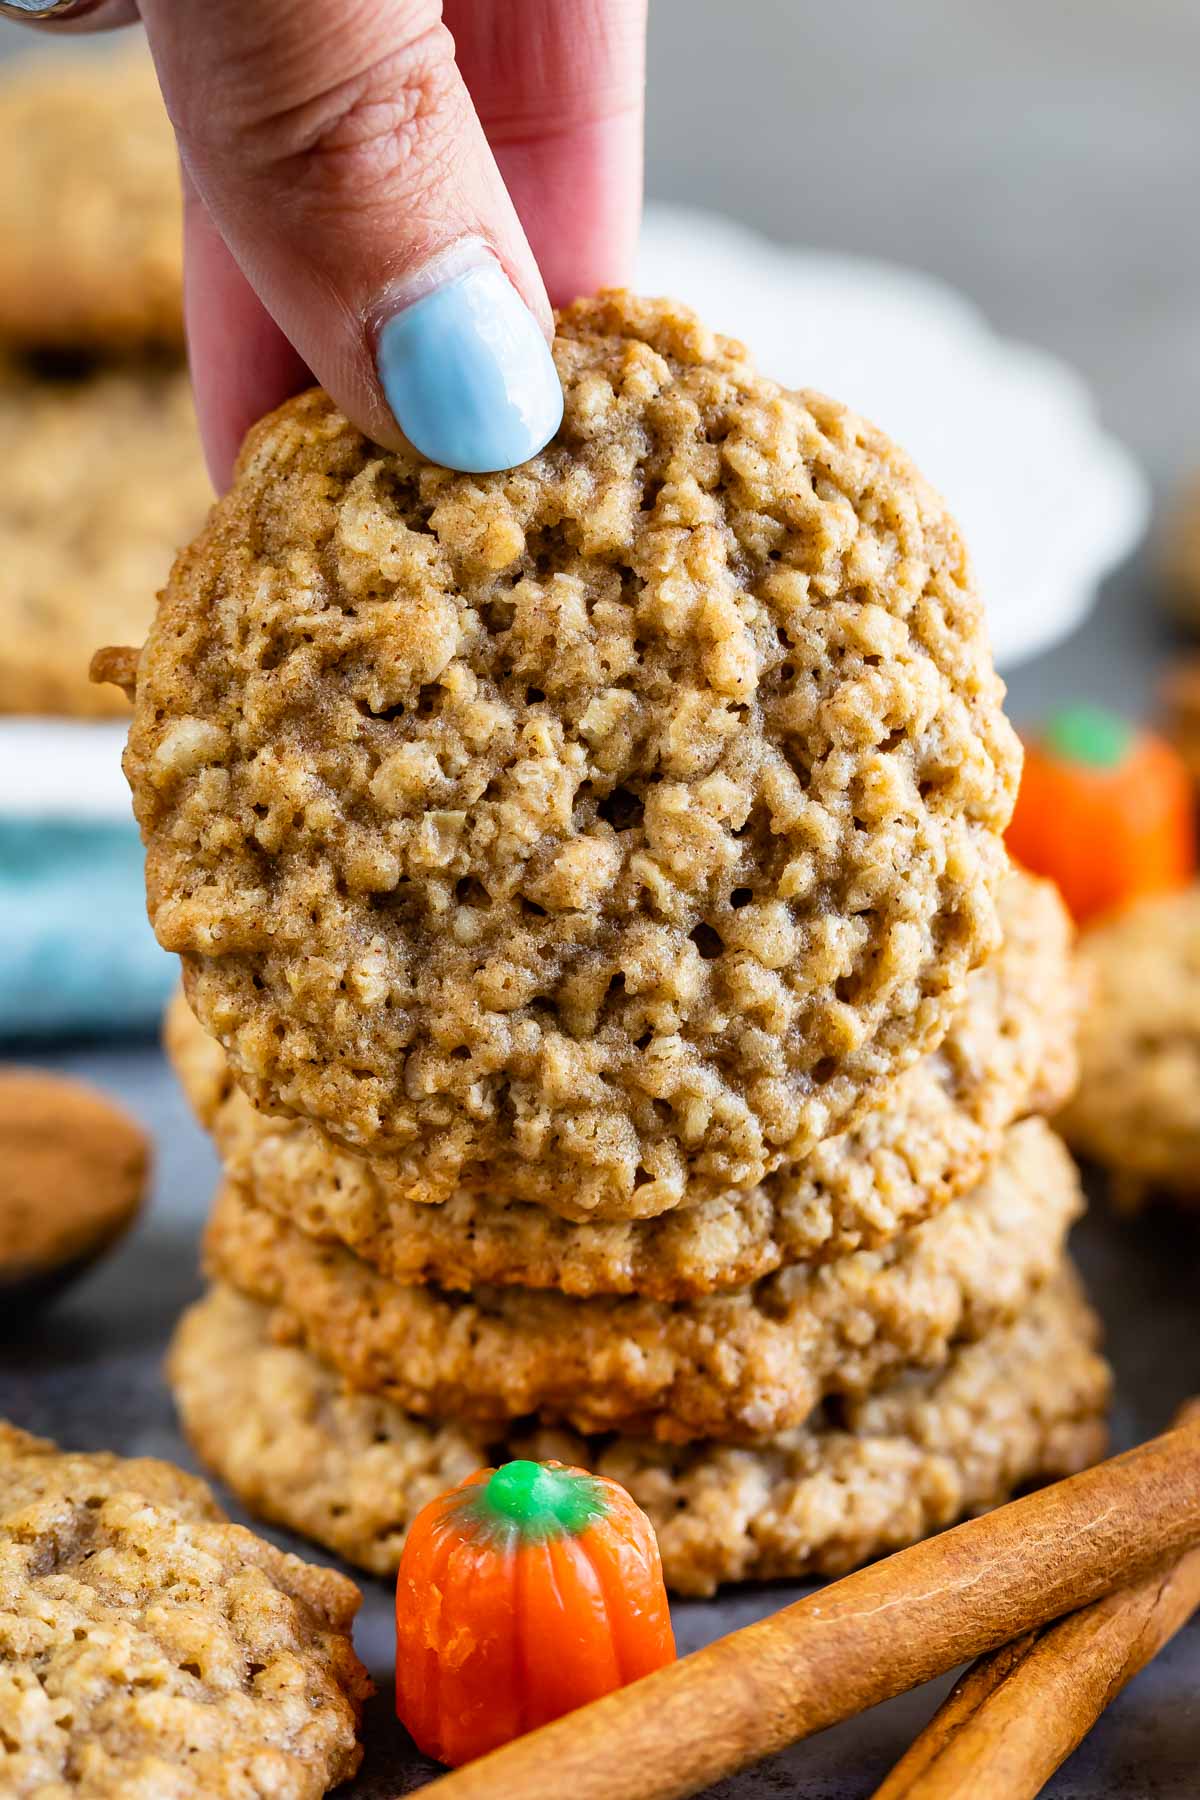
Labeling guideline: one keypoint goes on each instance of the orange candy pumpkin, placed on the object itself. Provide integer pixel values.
(522, 1593)
(1105, 810)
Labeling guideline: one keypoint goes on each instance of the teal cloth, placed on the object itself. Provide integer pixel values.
(76, 951)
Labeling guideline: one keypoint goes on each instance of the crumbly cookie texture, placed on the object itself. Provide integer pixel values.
(103, 480)
(734, 1366)
(1010, 1051)
(607, 828)
(350, 1470)
(90, 250)
(75, 1168)
(148, 1648)
(1137, 1108)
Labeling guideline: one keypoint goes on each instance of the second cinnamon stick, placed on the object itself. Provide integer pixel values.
(1017, 1714)
(879, 1632)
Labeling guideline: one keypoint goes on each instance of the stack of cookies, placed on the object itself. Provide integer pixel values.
(103, 474)
(623, 1034)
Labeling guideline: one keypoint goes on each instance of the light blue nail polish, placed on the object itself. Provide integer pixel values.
(468, 375)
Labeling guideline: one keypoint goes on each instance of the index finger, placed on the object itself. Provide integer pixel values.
(559, 87)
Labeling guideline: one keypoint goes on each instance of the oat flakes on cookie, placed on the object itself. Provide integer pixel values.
(1009, 1052)
(1137, 1108)
(149, 1648)
(606, 829)
(103, 480)
(91, 218)
(350, 1470)
(733, 1366)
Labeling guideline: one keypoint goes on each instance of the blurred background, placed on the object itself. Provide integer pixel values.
(1042, 158)
(1042, 155)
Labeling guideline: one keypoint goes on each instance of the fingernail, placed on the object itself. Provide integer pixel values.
(466, 371)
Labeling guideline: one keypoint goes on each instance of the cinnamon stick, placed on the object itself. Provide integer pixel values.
(1019, 1713)
(877, 1633)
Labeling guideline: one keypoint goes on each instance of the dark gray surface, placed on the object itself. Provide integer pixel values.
(1044, 158)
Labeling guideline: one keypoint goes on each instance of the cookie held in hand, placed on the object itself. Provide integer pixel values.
(608, 828)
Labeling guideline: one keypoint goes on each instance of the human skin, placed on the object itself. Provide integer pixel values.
(341, 164)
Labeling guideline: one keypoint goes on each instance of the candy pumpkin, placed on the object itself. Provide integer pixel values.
(522, 1593)
(1104, 809)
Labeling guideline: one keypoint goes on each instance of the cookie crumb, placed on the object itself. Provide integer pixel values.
(642, 852)
(116, 665)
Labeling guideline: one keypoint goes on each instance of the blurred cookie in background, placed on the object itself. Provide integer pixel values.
(103, 473)
(1137, 1109)
(90, 210)
(103, 480)
(1179, 557)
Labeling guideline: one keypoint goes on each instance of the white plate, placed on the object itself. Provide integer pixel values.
(1048, 502)
(63, 769)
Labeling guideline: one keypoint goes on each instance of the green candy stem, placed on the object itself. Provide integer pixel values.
(1088, 735)
(533, 1502)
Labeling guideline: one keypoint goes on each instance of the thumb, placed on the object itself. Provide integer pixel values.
(337, 154)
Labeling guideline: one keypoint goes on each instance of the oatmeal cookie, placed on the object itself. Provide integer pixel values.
(103, 480)
(1010, 1051)
(1137, 1109)
(147, 1647)
(75, 1168)
(603, 832)
(350, 1470)
(732, 1366)
(91, 241)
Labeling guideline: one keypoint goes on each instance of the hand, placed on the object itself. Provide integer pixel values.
(370, 199)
